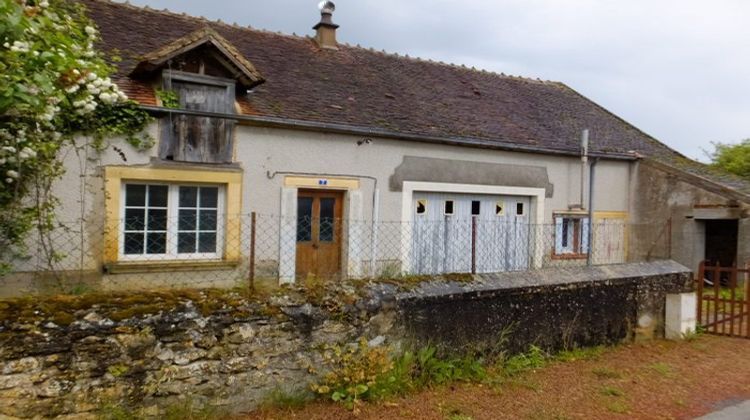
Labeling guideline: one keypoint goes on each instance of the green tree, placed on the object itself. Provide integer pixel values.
(55, 93)
(734, 158)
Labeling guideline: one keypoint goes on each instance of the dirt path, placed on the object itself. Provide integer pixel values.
(659, 380)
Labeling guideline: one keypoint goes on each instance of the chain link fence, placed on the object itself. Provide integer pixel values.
(203, 249)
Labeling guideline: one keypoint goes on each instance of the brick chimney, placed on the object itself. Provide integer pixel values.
(325, 34)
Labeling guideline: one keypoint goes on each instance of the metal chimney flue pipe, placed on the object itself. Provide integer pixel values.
(325, 34)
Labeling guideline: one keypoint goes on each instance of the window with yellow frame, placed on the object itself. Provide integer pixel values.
(159, 215)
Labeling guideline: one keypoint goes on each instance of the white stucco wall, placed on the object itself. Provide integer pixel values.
(266, 149)
(611, 184)
(262, 151)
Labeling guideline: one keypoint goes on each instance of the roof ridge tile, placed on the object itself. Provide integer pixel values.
(305, 37)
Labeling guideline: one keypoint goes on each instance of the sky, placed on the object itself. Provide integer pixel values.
(678, 70)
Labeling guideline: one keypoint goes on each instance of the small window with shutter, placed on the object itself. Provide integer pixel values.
(571, 236)
(195, 138)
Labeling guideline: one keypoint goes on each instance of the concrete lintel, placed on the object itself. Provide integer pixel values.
(424, 169)
(714, 213)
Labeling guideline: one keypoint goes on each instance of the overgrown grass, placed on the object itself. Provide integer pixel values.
(618, 407)
(283, 399)
(455, 414)
(184, 410)
(522, 382)
(535, 358)
(451, 411)
(191, 411)
(725, 292)
(663, 369)
(612, 391)
(459, 416)
(548, 414)
(606, 373)
(363, 373)
(693, 335)
(580, 353)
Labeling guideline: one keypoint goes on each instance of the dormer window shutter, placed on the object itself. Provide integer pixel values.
(190, 138)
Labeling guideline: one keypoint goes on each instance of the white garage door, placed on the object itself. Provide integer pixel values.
(453, 233)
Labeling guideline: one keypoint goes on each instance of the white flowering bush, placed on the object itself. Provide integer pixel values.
(54, 86)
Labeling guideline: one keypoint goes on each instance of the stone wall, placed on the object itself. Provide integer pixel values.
(74, 355)
(232, 357)
(665, 194)
(553, 308)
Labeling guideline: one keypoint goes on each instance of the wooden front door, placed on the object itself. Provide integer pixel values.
(319, 233)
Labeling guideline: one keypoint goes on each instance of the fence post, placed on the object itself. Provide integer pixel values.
(716, 278)
(374, 236)
(473, 245)
(251, 274)
(701, 276)
(732, 287)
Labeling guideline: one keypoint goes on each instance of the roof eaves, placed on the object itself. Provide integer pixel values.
(328, 127)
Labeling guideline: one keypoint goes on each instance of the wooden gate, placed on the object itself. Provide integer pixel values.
(724, 300)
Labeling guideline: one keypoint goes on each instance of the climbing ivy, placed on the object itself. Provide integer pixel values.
(55, 94)
(168, 98)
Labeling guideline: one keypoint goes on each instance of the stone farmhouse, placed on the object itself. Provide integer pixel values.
(359, 162)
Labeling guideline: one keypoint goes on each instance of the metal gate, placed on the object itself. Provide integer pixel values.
(724, 300)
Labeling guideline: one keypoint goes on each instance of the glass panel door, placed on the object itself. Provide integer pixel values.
(318, 233)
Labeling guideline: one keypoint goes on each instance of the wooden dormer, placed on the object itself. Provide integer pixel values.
(202, 52)
(204, 72)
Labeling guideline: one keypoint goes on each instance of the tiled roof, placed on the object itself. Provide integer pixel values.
(247, 72)
(364, 88)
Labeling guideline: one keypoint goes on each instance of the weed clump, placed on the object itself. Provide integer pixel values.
(363, 373)
(618, 407)
(280, 398)
(360, 372)
(356, 373)
(535, 358)
(663, 369)
(580, 353)
(606, 373)
(183, 410)
(612, 391)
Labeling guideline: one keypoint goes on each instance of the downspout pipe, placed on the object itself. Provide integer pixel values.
(592, 172)
(584, 161)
